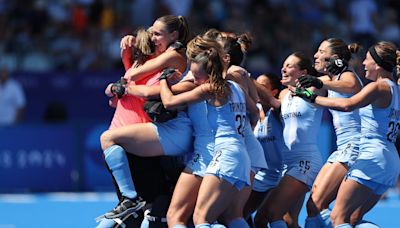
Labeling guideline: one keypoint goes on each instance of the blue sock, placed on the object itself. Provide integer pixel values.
(106, 223)
(325, 216)
(344, 225)
(366, 224)
(217, 225)
(145, 223)
(118, 162)
(278, 224)
(313, 222)
(203, 225)
(238, 223)
(179, 226)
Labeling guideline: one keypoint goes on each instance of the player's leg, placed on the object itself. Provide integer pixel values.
(215, 196)
(139, 139)
(183, 199)
(234, 217)
(323, 192)
(351, 196)
(292, 216)
(117, 161)
(280, 200)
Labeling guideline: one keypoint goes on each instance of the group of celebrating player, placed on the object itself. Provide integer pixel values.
(247, 147)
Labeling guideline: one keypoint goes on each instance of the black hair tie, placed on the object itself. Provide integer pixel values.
(387, 66)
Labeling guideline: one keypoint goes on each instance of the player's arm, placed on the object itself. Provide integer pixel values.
(252, 110)
(266, 98)
(149, 92)
(172, 101)
(348, 83)
(108, 91)
(370, 94)
(253, 93)
(167, 59)
(126, 45)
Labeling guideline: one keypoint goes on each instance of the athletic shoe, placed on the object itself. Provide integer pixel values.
(125, 207)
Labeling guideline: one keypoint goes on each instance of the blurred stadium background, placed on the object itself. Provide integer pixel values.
(64, 53)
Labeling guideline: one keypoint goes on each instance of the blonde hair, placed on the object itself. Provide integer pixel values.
(144, 47)
(398, 66)
(208, 54)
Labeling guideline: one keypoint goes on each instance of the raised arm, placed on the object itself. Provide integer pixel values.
(126, 45)
(172, 101)
(167, 59)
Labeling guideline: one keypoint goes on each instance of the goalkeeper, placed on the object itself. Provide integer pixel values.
(115, 155)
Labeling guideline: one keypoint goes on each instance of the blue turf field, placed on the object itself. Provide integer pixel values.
(75, 210)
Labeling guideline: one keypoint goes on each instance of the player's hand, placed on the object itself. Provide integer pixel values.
(119, 88)
(306, 94)
(177, 46)
(108, 91)
(335, 65)
(166, 73)
(307, 81)
(127, 46)
(113, 102)
(127, 41)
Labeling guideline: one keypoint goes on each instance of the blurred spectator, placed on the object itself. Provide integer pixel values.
(391, 27)
(12, 99)
(80, 35)
(8, 60)
(143, 12)
(36, 61)
(107, 17)
(178, 7)
(79, 18)
(363, 18)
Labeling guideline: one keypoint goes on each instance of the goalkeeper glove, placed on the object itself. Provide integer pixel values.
(335, 65)
(118, 88)
(306, 94)
(307, 81)
(166, 73)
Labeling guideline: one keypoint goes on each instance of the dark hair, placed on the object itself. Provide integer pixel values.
(305, 63)
(234, 45)
(176, 23)
(341, 49)
(274, 80)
